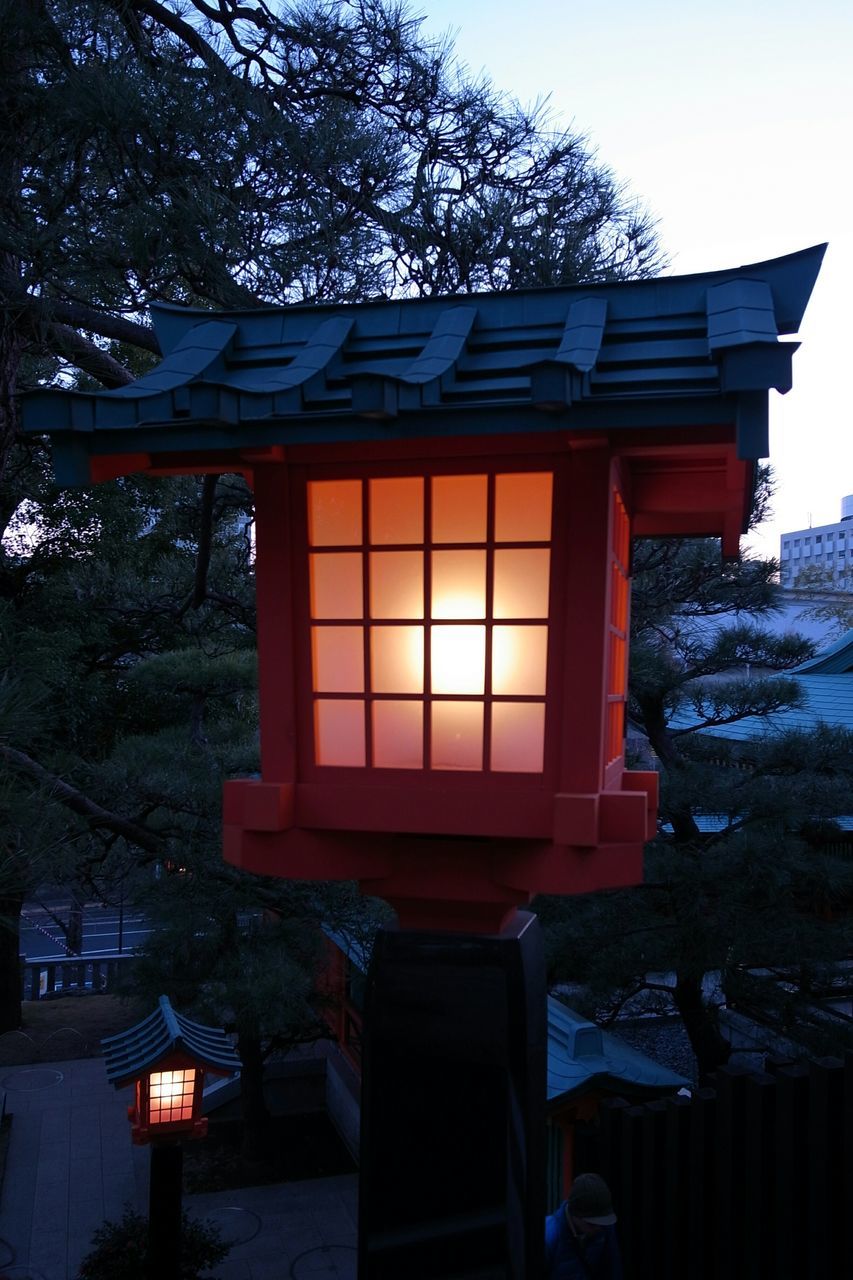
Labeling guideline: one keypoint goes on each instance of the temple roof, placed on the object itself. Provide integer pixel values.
(582, 1057)
(674, 352)
(826, 686)
(138, 1050)
(837, 660)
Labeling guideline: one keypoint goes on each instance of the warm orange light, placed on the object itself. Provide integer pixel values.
(397, 659)
(521, 583)
(458, 659)
(334, 513)
(617, 673)
(398, 735)
(441, 594)
(518, 737)
(457, 735)
(397, 511)
(519, 660)
(396, 584)
(170, 1096)
(339, 732)
(460, 508)
(338, 659)
(459, 584)
(336, 586)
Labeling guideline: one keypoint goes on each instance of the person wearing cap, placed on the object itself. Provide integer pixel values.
(580, 1240)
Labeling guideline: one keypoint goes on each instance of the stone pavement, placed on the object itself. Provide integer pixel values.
(71, 1165)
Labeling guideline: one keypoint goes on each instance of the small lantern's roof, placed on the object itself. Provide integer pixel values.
(162, 1034)
(674, 352)
(582, 1057)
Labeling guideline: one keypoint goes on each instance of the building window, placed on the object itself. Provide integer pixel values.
(430, 600)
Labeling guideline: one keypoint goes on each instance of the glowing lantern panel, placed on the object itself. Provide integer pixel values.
(170, 1096)
(430, 600)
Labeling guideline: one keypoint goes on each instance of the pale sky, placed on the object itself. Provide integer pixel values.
(732, 121)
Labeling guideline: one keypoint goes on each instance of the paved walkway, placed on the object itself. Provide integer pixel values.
(71, 1165)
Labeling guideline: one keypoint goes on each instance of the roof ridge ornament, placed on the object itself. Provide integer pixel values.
(739, 312)
(375, 391)
(554, 383)
(583, 334)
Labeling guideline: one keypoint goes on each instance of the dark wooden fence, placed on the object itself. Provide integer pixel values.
(750, 1178)
(41, 980)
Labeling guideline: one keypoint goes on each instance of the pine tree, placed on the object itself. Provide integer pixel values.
(739, 876)
(127, 634)
(268, 153)
(219, 157)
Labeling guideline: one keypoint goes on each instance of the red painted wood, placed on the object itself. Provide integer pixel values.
(402, 833)
(486, 806)
(457, 847)
(275, 623)
(586, 528)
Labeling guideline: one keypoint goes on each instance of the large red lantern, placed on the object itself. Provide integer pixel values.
(456, 673)
(446, 492)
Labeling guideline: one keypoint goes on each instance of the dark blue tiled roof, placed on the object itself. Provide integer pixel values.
(713, 823)
(675, 352)
(581, 1056)
(826, 683)
(131, 1053)
(836, 660)
(827, 699)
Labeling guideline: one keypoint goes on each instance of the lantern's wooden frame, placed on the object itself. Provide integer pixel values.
(316, 821)
(144, 1127)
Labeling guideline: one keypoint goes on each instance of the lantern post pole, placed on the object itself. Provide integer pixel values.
(163, 1261)
(452, 1167)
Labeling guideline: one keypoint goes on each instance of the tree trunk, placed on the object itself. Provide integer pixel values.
(10, 358)
(711, 1048)
(74, 931)
(654, 723)
(19, 21)
(11, 905)
(253, 1104)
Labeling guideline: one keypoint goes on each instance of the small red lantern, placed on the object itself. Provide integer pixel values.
(166, 1057)
(168, 1102)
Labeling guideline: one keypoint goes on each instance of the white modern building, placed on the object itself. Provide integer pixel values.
(828, 547)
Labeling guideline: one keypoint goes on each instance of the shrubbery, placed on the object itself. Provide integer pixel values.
(118, 1251)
